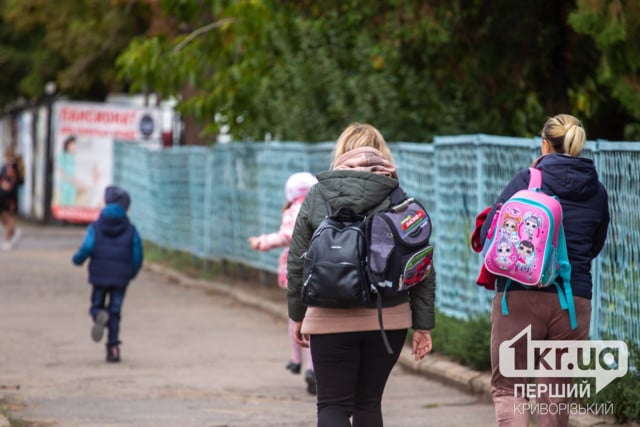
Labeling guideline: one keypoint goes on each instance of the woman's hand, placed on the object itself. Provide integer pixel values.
(300, 339)
(421, 343)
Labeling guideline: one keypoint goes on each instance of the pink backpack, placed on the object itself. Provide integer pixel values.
(526, 243)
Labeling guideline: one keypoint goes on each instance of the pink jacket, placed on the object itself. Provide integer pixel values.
(282, 238)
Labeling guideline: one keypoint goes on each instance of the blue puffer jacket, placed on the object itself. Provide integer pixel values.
(585, 208)
(114, 246)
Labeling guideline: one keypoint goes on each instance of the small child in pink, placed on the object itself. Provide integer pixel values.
(296, 190)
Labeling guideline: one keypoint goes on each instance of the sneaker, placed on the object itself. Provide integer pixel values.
(6, 245)
(113, 353)
(17, 235)
(310, 378)
(102, 316)
(295, 368)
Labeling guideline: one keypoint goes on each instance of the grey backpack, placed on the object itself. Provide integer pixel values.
(400, 254)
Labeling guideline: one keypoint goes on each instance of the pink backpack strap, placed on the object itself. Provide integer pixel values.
(535, 181)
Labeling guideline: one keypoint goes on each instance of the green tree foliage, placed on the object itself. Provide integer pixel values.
(220, 55)
(20, 53)
(73, 43)
(614, 25)
(295, 70)
(303, 69)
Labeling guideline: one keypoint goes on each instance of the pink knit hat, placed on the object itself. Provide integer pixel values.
(298, 185)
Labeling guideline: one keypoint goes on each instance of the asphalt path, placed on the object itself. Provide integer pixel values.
(190, 357)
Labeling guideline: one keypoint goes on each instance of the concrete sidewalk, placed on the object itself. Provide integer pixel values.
(195, 353)
(434, 367)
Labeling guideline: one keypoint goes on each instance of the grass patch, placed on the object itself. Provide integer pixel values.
(206, 269)
(6, 406)
(431, 406)
(465, 341)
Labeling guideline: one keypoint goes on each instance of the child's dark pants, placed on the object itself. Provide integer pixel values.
(99, 302)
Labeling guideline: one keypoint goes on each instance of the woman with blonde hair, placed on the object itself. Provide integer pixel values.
(574, 180)
(350, 359)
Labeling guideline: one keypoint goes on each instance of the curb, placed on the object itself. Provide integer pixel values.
(434, 366)
(240, 296)
(437, 367)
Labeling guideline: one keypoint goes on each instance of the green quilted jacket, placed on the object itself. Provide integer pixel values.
(362, 192)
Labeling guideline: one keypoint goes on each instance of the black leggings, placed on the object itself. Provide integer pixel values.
(351, 372)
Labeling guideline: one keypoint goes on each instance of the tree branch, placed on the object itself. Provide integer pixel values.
(201, 31)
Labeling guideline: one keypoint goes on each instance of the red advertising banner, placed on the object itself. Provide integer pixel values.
(83, 152)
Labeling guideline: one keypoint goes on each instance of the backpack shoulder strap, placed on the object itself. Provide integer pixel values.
(329, 208)
(397, 196)
(535, 180)
(565, 273)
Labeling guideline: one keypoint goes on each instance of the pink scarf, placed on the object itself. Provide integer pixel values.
(366, 159)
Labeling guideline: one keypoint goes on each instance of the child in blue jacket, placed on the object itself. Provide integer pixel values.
(115, 250)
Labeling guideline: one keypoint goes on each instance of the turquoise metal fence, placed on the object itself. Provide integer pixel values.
(208, 200)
